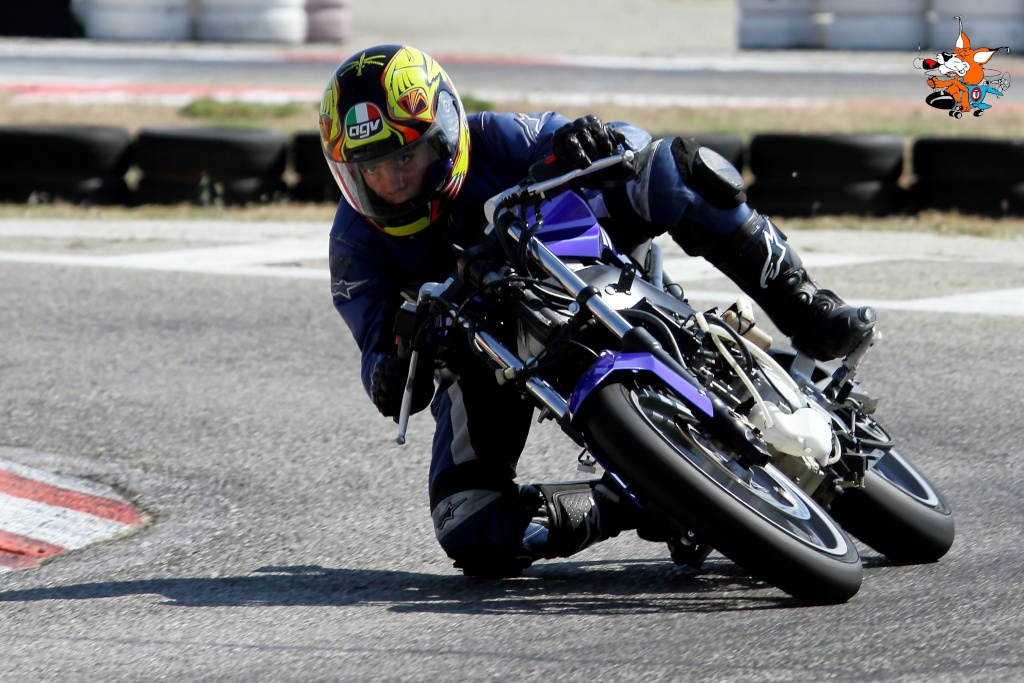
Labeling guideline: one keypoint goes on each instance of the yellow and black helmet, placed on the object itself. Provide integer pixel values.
(386, 103)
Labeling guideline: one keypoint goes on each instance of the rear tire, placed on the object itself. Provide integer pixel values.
(908, 520)
(899, 512)
(756, 517)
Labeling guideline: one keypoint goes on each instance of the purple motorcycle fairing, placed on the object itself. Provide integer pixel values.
(613, 362)
(569, 228)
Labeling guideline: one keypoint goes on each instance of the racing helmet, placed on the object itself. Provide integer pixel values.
(393, 107)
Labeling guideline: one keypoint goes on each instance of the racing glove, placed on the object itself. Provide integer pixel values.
(580, 143)
(584, 141)
(387, 384)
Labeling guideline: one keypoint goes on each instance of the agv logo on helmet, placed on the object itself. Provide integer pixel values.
(363, 122)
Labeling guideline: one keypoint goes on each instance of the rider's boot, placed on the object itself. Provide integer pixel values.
(574, 515)
(758, 259)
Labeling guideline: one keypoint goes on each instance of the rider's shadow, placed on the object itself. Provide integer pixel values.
(600, 587)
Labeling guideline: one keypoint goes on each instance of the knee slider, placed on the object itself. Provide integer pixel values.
(708, 173)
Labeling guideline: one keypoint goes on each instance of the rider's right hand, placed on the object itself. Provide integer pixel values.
(387, 385)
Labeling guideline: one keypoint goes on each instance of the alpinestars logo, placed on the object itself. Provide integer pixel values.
(449, 512)
(775, 250)
(344, 288)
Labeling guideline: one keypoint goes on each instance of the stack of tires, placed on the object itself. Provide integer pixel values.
(328, 21)
(251, 21)
(981, 176)
(165, 20)
(874, 24)
(207, 166)
(811, 175)
(992, 23)
(38, 19)
(314, 182)
(76, 164)
(778, 24)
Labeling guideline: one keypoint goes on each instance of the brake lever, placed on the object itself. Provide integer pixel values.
(403, 414)
(428, 291)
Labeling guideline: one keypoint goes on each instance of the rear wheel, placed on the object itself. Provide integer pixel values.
(754, 516)
(898, 513)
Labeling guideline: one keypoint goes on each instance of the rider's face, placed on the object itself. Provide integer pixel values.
(399, 179)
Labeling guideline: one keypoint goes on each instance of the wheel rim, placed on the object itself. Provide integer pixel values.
(764, 490)
(892, 467)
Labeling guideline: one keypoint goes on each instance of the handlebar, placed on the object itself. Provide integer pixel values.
(519, 195)
(494, 207)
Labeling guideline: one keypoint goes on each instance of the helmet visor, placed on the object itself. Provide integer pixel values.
(388, 188)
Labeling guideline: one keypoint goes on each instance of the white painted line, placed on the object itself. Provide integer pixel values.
(998, 302)
(91, 488)
(685, 269)
(55, 525)
(245, 259)
(257, 260)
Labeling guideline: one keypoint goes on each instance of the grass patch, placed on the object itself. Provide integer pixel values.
(474, 104)
(238, 113)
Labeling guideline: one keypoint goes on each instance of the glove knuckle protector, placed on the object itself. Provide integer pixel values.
(578, 144)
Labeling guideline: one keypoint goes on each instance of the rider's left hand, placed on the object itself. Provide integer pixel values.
(584, 141)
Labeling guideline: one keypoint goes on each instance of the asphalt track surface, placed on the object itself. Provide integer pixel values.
(291, 539)
(290, 536)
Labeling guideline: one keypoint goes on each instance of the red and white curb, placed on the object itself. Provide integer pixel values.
(43, 514)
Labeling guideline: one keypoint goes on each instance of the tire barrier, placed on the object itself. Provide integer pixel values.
(207, 165)
(778, 24)
(874, 24)
(39, 19)
(253, 21)
(1001, 22)
(793, 175)
(77, 164)
(870, 198)
(258, 21)
(328, 21)
(808, 175)
(896, 25)
(168, 20)
(991, 184)
(314, 183)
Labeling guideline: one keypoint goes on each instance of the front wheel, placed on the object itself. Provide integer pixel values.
(754, 516)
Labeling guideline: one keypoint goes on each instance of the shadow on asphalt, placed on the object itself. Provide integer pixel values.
(601, 587)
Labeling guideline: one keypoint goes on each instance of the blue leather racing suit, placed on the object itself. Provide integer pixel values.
(477, 508)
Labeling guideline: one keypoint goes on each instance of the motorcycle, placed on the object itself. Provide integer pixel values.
(762, 454)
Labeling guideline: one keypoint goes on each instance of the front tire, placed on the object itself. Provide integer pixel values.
(754, 516)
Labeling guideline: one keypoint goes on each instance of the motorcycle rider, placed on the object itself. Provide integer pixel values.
(415, 170)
